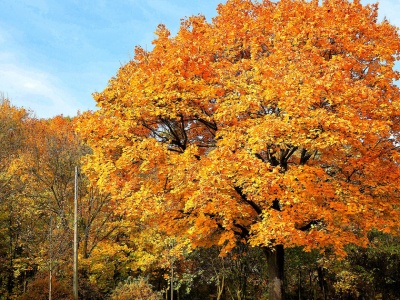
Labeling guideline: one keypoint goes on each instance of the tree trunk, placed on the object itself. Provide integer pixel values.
(275, 261)
(10, 275)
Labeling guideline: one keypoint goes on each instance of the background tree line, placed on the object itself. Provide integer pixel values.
(119, 257)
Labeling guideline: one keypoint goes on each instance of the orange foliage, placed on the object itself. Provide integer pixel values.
(276, 123)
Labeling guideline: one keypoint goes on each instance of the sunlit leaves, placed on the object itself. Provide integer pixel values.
(276, 123)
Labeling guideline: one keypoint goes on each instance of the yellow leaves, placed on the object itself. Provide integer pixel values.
(286, 102)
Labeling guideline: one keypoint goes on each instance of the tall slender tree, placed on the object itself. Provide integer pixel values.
(14, 228)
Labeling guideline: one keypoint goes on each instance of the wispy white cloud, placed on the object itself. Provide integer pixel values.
(59, 52)
(36, 90)
(33, 79)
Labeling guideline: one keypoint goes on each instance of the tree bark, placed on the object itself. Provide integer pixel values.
(275, 268)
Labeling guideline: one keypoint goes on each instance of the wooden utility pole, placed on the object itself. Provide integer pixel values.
(75, 284)
(51, 255)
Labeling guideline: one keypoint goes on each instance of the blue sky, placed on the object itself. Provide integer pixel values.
(55, 53)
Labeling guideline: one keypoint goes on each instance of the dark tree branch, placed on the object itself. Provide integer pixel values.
(304, 157)
(260, 157)
(293, 150)
(182, 125)
(276, 205)
(211, 125)
(245, 233)
(256, 208)
(271, 158)
(153, 131)
(177, 140)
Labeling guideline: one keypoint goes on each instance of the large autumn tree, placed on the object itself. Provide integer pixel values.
(276, 124)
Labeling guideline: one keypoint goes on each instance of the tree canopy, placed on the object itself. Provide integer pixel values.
(275, 124)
